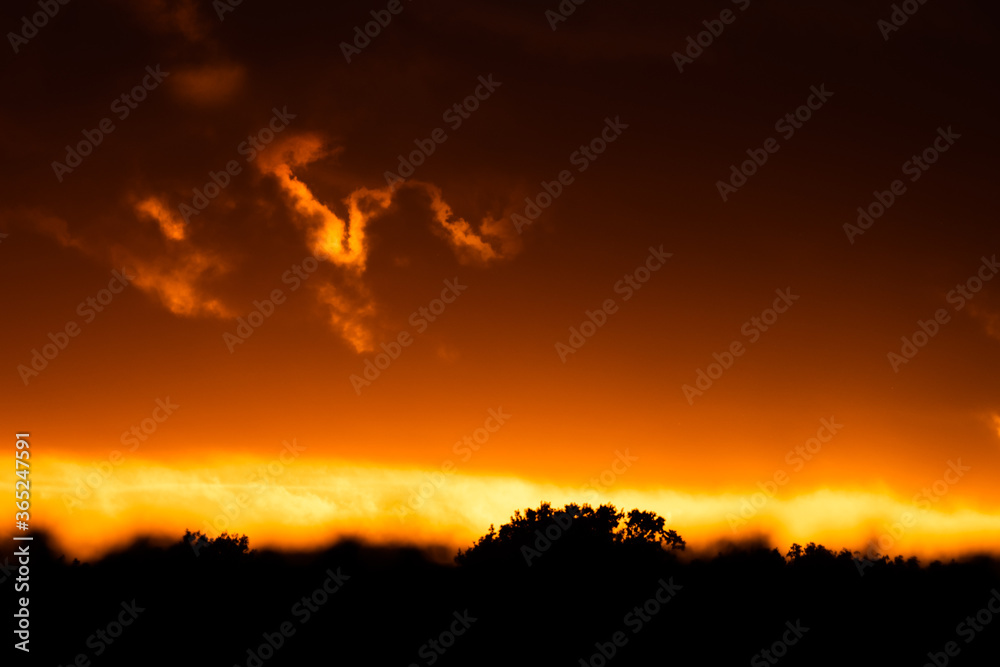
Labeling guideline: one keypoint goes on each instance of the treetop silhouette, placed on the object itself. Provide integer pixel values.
(580, 528)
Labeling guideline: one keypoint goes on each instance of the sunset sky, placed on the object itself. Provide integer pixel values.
(247, 163)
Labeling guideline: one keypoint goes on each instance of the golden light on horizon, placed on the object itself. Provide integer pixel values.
(286, 503)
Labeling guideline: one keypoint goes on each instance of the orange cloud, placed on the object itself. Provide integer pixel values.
(351, 318)
(176, 276)
(340, 241)
(344, 241)
(457, 231)
(186, 274)
(177, 279)
(57, 228)
(171, 226)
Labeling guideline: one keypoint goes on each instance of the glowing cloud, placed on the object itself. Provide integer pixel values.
(171, 226)
(458, 232)
(351, 318)
(342, 242)
(175, 280)
(186, 275)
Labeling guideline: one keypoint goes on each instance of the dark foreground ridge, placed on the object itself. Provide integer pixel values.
(577, 586)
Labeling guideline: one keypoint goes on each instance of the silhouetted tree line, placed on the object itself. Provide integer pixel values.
(571, 586)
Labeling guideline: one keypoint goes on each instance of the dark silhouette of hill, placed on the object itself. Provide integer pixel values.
(580, 585)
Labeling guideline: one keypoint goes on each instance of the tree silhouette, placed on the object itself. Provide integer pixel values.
(602, 572)
(647, 528)
(225, 547)
(580, 528)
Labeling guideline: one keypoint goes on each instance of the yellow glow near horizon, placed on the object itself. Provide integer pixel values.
(292, 505)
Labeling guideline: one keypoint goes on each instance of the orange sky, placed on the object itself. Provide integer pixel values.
(309, 230)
